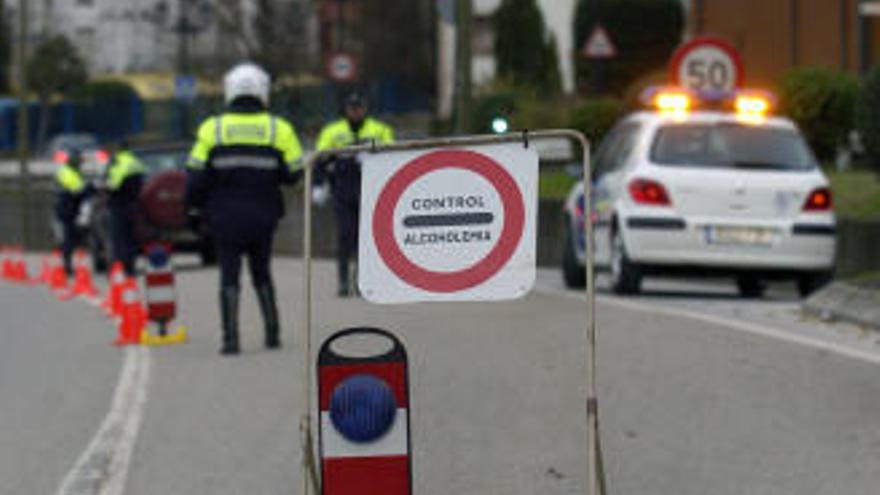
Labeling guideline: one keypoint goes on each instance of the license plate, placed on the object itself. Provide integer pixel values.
(740, 236)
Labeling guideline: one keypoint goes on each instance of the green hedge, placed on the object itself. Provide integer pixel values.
(868, 116)
(596, 117)
(822, 102)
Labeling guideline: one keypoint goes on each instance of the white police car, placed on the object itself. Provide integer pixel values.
(718, 187)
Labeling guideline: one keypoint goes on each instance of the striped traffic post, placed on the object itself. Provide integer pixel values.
(364, 438)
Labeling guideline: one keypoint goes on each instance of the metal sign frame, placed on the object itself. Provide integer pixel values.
(595, 475)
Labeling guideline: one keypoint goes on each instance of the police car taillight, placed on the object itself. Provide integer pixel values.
(649, 192)
(819, 200)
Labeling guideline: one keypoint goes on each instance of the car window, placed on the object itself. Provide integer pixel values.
(616, 148)
(728, 145)
(158, 161)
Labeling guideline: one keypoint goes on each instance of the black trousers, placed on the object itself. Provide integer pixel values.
(258, 251)
(347, 231)
(71, 238)
(122, 222)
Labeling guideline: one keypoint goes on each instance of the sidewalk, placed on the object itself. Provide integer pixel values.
(851, 301)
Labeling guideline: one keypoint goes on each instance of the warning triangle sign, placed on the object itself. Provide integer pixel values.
(599, 45)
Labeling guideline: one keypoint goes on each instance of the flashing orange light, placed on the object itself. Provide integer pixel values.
(673, 102)
(752, 105)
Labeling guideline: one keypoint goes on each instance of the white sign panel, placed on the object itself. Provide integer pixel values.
(448, 224)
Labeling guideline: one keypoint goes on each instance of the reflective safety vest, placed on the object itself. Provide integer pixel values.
(70, 180)
(257, 141)
(338, 134)
(125, 164)
(236, 166)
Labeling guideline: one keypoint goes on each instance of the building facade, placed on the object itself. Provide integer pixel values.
(776, 35)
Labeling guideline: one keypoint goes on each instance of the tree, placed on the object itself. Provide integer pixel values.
(54, 68)
(823, 103)
(645, 33)
(5, 49)
(525, 54)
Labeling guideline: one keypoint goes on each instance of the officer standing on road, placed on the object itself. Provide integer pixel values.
(344, 176)
(71, 190)
(125, 177)
(238, 163)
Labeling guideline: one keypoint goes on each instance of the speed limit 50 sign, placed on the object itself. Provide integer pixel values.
(707, 64)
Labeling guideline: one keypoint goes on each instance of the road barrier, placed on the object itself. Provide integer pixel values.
(397, 187)
(161, 298)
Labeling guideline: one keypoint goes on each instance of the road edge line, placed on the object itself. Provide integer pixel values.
(102, 468)
(748, 327)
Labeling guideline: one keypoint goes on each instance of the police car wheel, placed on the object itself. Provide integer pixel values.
(572, 271)
(626, 278)
(750, 287)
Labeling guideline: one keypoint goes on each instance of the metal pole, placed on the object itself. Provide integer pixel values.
(794, 39)
(595, 472)
(305, 425)
(24, 169)
(462, 65)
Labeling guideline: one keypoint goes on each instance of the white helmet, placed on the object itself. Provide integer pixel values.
(246, 80)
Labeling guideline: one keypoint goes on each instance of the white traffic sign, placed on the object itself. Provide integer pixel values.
(448, 224)
(707, 64)
(599, 45)
(342, 67)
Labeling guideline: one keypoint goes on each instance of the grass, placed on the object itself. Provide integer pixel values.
(856, 193)
(555, 183)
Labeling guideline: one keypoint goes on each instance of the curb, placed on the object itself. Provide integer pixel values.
(843, 301)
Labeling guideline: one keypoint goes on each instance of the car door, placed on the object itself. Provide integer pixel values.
(611, 161)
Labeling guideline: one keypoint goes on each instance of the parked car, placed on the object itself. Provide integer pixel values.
(162, 215)
(723, 190)
(95, 157)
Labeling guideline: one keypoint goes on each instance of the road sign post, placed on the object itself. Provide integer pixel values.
(595, 476)
(707, 64)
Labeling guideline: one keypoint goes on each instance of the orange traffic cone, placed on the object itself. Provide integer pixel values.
(45, 272)
(112, 303)
(134, 316)
(83, 285)
(21, 269)
(59, 279)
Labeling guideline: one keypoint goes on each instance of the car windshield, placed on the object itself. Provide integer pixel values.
(729, 145)
(157, 161)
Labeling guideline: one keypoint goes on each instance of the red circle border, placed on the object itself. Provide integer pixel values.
(483, 270)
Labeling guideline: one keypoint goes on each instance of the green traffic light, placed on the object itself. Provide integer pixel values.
(500, 125)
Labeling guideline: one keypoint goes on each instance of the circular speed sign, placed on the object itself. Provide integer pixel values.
(707, 64)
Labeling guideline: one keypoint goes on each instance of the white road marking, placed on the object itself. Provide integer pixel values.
(102, 468)
(748, 327)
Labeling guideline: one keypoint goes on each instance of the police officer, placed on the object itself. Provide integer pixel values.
(125, 177)
(71, 190)
(344, 176)
(236, 166)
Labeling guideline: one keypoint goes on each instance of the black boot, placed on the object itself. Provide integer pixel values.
(266, 297)
(229, 317)
(342, 264)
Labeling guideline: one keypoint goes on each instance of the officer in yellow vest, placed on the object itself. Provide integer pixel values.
(344, 176)
(236, 167)
(125, 177)
(71, 190)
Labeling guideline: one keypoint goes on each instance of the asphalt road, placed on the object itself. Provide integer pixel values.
(700, 392)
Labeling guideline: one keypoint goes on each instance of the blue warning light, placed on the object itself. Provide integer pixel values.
(362, 408)
(158, 257)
